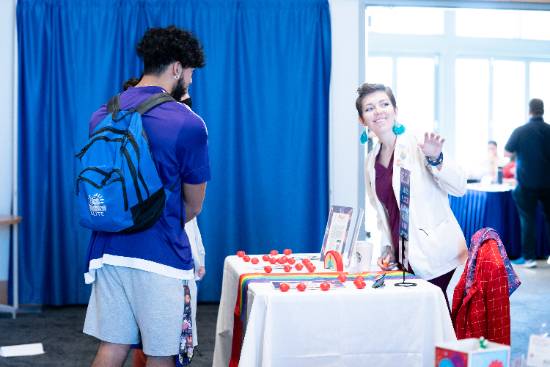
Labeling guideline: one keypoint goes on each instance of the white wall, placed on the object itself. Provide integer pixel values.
(344, 149)
(7, 57)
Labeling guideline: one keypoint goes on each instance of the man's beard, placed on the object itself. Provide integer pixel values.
(179, 90)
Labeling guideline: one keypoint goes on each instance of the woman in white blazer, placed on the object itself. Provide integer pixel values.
(436, 244)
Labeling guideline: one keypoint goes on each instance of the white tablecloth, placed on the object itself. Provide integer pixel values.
(390, 326)
(490, 187)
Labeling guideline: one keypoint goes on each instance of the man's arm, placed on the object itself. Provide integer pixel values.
(193, 195)
(511, 146)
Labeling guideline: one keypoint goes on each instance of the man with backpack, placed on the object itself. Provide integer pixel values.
(140, 273)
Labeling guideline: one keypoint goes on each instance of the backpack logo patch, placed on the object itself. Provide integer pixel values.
(96, 205)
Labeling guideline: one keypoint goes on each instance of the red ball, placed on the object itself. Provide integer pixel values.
(325, 286)
(254, 260)
(299, 266)
(265, 257)
(359, 278)
(287, 251)
(291, 260)
(284, 287)
(305, 261)
(311, 268)
(246, 258)
(240, 253)
(360, 285)
(288, 268)
(273, 260)
(282, 260)
(301, 287)
(274, 252)
(342, 277)
(267, 269)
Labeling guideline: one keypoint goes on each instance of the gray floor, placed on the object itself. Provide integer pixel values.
(530, 306)
(59, 329)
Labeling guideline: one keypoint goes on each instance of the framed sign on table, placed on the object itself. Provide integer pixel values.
(341, 231)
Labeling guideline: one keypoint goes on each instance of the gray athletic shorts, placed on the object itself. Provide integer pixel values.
(129, 306)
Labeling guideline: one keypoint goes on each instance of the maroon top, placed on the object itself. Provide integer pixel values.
(384, 191)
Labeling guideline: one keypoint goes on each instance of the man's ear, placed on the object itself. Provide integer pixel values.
(177, 70)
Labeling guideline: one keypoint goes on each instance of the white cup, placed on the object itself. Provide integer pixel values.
(362, 256)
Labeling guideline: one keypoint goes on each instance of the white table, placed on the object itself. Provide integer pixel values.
(389, 326)
(490, 187)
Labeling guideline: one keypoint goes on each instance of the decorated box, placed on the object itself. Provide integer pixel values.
(469, 353)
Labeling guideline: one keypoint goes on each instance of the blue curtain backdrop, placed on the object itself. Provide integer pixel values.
(263, 94)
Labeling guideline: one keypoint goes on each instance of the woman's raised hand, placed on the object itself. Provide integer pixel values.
(432, 146)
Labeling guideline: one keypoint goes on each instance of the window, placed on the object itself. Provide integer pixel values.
(467, 88)
(414, 87)
(379, 70)
(539, 82)
(472, 112)
(516, 24)
(508, 105)
(415, 93)
(403, 20)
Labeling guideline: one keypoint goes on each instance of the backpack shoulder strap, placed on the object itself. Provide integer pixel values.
(153, 101)
(113, 106)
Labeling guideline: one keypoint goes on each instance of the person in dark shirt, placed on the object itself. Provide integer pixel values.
(530, 144)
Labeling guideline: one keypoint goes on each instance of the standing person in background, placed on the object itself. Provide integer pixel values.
(486, 169)
(509, 171)
(436, 244)
(140, 291)
(199, 254)
(530, 144)
(197, 250)
(492, 161)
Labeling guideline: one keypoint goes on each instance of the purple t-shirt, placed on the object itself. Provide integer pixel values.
(178, 141)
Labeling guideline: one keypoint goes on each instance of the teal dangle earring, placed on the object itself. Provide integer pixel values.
(398, 128)
(364, 137)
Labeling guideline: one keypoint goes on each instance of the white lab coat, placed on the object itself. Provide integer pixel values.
(436, 243)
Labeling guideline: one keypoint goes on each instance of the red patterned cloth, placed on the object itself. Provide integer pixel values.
(485, 309)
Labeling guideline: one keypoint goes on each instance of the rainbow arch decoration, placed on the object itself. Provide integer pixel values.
(333, 261)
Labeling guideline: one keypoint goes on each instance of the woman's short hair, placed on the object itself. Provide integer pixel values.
(366, 88)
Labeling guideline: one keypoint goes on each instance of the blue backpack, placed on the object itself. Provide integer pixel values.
(118, 186)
